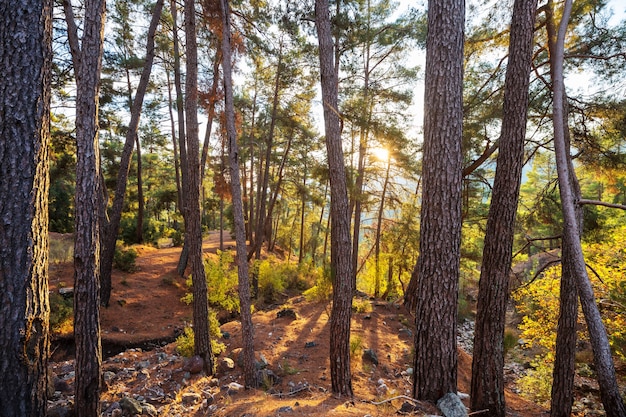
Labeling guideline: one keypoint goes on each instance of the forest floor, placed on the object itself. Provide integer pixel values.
(146, 314)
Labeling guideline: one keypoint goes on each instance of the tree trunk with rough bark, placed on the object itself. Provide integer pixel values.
(487, 388)
(88, 192)
(191, 182)
(249, 366)
(605, 370)
(25, 65)
(435, 366)
(341, 266)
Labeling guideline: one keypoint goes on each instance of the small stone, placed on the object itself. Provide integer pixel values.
(407, 408)
(370, 356)
(267, 378)
(149, 410)
(194, 365)
(58, 411)
(451, 406)
(226, 364)
(287, 313)
(130, 406)
(233, 388)
(262, 362)
(190, 398)
(286, 409)
(108, 376)
(310, 344)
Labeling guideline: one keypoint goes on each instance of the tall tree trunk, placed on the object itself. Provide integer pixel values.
(191, 181)
(435, 367)
(182, 136)
(264, 180)
(140, 200)
(605, 370)
(86, 246)
(25, 65)
(363, 145)
(174, 141)
(379, 224)
(487, 389)
(562, 394)
(341, 266)
(110, 234)
(319, 227)
(210, 114)
(240, 232)
(302, 217)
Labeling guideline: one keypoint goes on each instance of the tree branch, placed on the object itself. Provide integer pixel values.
(601, 203)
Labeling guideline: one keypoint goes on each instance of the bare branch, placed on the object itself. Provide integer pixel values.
(602, 203)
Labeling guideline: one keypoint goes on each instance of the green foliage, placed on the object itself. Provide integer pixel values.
(272, 278)
(321, 291)
(277, 276)
(185, 341)
(124, 258)
(61, 312)
(356, 345)
(361, 306)
(221, 278)
(538, 302)
(288, 369)
(537, 383)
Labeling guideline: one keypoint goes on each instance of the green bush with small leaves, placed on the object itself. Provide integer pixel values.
(185, 342)
(124, 258)
(221, 278)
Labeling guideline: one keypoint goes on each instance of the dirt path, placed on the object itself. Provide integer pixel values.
(145, 305)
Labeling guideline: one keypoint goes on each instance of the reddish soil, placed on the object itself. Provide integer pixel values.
(146, 307)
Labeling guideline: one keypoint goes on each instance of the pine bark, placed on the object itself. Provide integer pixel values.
(247, 330)
(487, 388)
(341, 266)
(88, 192)
(435, 366)
(25, 65)
(202, 342)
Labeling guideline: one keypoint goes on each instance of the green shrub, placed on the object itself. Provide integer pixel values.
(536, 385)
(221, 278)
(361, 306)
(356, 345)
(124, 258)
(272, 279)
(322, 290)
(185, 342)
(61, 312)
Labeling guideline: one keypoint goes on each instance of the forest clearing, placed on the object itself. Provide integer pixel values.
(141, 360)
(422, 207)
